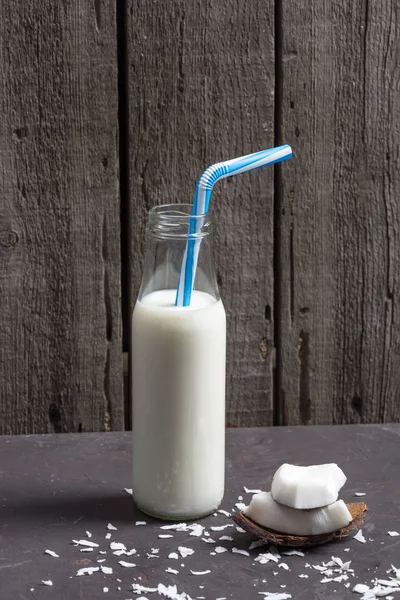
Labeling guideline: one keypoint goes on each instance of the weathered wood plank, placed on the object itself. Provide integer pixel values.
(202, 90)
(340, 251)
(60, 332)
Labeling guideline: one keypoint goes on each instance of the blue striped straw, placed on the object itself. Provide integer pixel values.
(201, 204)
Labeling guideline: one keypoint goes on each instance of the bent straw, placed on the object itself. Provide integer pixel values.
(201, 204)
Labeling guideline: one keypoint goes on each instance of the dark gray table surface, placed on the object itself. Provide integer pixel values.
(54, 488)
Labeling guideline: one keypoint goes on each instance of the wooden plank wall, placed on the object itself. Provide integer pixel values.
(340, 213)
(60, 330)
(308, 255)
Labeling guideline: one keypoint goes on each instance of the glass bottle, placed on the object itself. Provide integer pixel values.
(178, 375)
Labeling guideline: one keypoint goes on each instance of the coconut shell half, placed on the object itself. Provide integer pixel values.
(269, 536)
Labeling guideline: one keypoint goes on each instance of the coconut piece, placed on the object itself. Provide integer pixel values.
(267, 512)
(272, 536)
(307, 487)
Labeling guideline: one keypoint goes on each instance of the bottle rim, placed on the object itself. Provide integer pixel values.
(175, 220)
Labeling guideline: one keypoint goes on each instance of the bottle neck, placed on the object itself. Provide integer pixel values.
(175, 221)
(169, 228)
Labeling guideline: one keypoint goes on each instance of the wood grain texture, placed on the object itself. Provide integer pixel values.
(60, 332)
(340, 251)
(201, 90)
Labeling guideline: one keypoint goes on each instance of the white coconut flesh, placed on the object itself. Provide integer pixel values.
(307, 487)
(268, 513)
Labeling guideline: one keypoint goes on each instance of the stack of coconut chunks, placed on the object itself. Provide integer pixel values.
(303, 501)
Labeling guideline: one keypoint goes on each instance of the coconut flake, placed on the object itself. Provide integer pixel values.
(128, 565)
(200, 572)
(240, 530)
(173, 555)
(87, 571)
(111, 527)
(359, 494)
(165, 536)
(197, 530)
(223, 512)
(393, 533)
(108, 536)
(209, 540)
(85, 543)
(138, 523)
(125, 552)
(303, 576)
(359, 537)
(240, 551)
(86, 549)
(251, 491)
(105, 589)
(293, 553)
(52, 553)
(117, 546)
(106, 570)
(173, 571)
(101, 560)
(128, 491)
(275, 595)
(184, 552)
(171, 592)
(360, 588)
(256, 544)
(47, 582)
(226, 538)
(140, 589)
(284, 566)
(241, 506)
(176, 527)
(221, 527)
(220, 549)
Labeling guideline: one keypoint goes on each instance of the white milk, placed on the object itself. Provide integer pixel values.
(178, 378)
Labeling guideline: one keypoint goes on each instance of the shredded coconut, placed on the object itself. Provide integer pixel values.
(359, 537)
(128, 491)
(51, 553)
(224, 512)
(293, 553)
(393, 533)
(106, 570)
(173, 555)
(173, 571)
(123, 563)
(200, 572)
(184, 552)
(85, 543)
(111, 527)
(87, 571)
(251, 491)
(165, 536)
(47, 582)
(220, 527)
(117, 546)
(239, 551)
(140, 523)
(220, 549)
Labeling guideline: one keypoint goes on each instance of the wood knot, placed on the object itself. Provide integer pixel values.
(9, 239)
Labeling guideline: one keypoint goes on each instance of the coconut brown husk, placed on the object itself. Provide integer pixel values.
(269, 536)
